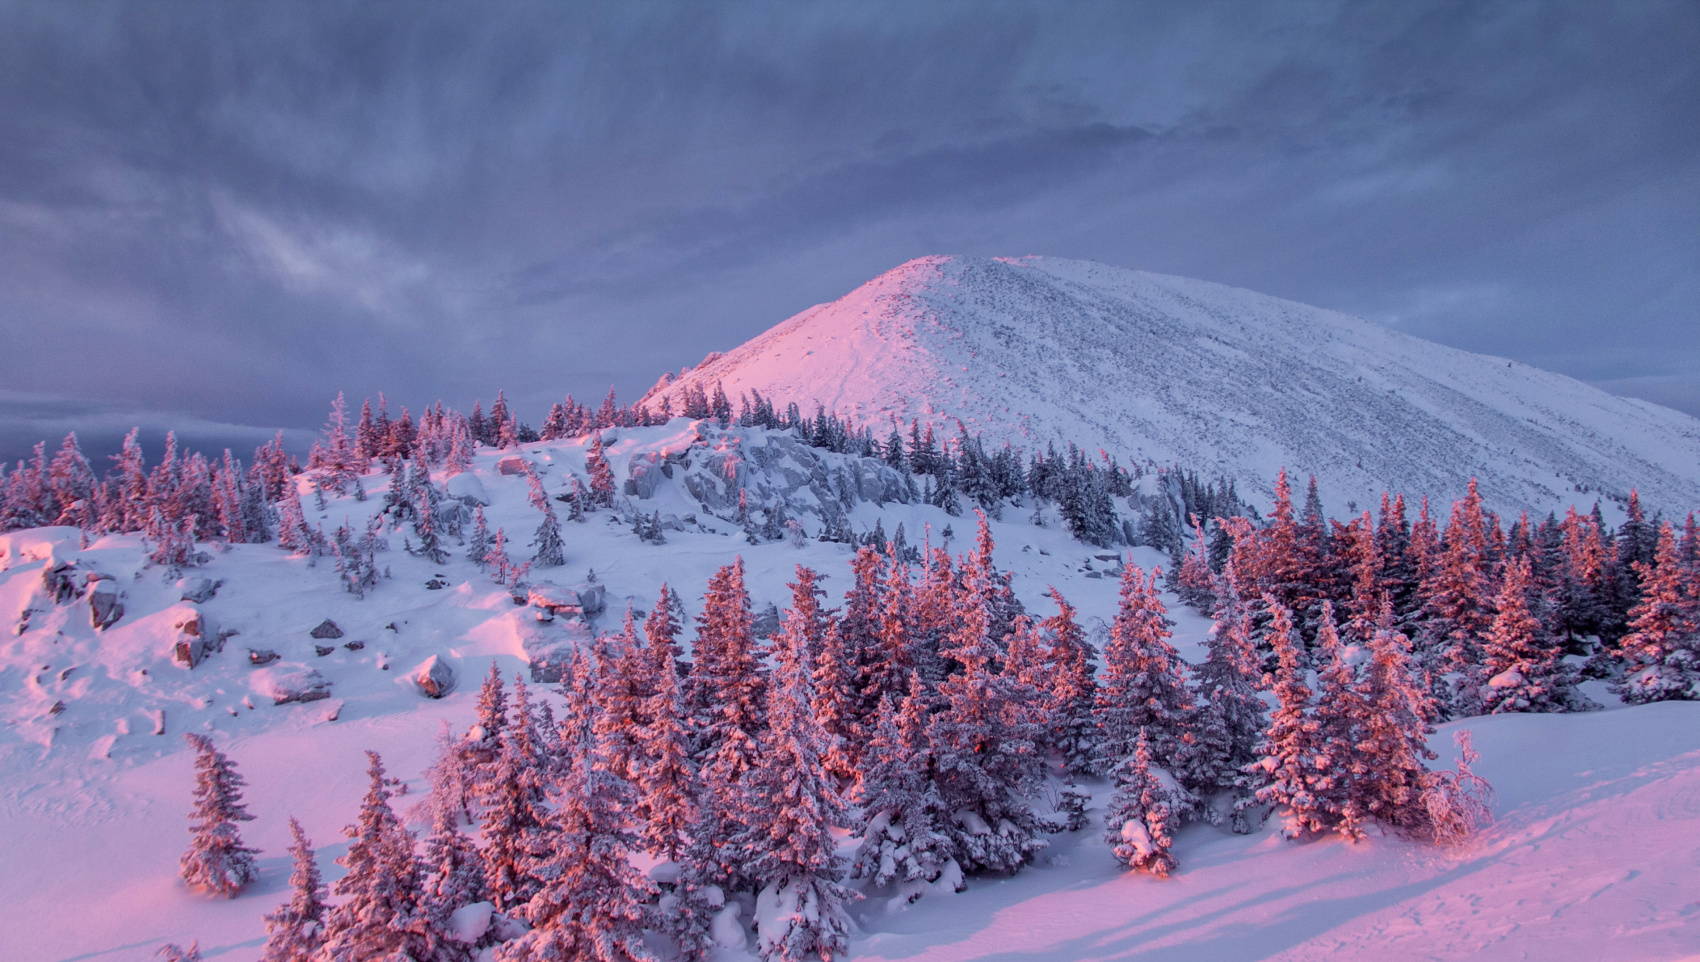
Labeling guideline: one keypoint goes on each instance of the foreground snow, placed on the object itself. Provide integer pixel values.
(1598, 839)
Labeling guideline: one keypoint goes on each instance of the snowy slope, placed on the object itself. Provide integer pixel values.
(1599, 817)
(1166, 369)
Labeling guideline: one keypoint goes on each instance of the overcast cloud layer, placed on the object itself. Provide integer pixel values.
(225, 213)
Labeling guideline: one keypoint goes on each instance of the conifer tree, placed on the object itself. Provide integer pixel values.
(665, 808)
(787, 839)
(624, 686)
(1282, 775)
(1336, 765)
(591, 902)
(453, 869)
(662, 627)
(1072, 691)
(1142, 811)
(514, 811)
(838, 706)
(1521, 661)
(382, 914)
(1392, 731)
(985, 749)
(727, 674)
(550, 549)
(902, 842)
(1230, 717)
(1457, 605)
(1143, 685)
(217, 862)
(1661, 653)
(601, 475)
(296, 931)
(478, 545)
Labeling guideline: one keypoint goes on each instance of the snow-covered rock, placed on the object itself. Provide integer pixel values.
(434, 677)
(105, 604)
(468, 923)
(465, 486)
(196, 589)
(284, 683)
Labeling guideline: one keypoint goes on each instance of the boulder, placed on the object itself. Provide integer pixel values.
(434, 677)
(105, 606)
(284, 684)
(192, 642)
(645, 474)
(466, 487)
(513, 464)
(327, 629)
(188, 652)
(59, 580)
(261, 656)
(197, 589)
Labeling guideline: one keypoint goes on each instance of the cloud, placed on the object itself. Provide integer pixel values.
(30, 418)
(236, 212)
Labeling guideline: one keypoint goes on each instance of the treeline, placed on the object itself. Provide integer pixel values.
(930, 714)
(188, 498)
(1493, 611)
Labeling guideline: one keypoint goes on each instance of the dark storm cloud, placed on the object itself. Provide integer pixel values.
(235, 210)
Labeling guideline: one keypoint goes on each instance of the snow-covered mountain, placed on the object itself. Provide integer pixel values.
(1168, 369)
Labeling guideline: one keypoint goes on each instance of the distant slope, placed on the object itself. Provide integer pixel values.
(1164, 369)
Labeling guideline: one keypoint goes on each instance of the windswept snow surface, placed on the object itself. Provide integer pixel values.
(1168, 369)
(1595, 852)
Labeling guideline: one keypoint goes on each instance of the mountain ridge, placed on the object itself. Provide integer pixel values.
(1224, 380)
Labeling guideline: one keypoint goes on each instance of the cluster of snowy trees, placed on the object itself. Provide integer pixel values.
(1492, 612)
(931, 715)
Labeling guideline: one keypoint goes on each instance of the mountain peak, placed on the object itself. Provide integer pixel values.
(1160, 369)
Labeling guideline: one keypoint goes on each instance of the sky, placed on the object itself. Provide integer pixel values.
(215, 216)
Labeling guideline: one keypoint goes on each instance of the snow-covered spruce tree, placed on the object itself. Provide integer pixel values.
(730, 687)
(551, 551)
(1229, 720)
(478, 545)
(1521, 661)
(1457, 803)
(1146, 805)
(728, 698)
(425, 526)
(1392, 731)
(382, 914)
(1337, 766)
(787, 841)
(1143, 684)
(502, 569)
(601, 475)
(1458, 602)
(983, 746)
(1197, 581)
(217, 862)
(514, 811)
(591, 903)
(296, 931)
(1661, 653)
(838, 706)
(902, 843)
(665, 808)
(662, 627)
(623, 688)
(1283, 772)
(336, 454)
(1072, 692)
(453, 869)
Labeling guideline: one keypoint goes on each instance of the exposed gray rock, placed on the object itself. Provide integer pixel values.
(105, 606)
(261, 656)
(198, 589)
(327, 629)
(434, 677)
(291, 683)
